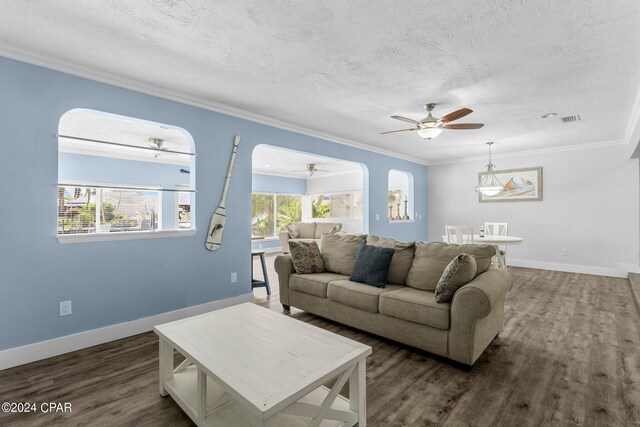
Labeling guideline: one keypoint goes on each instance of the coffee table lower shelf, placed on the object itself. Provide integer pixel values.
(183, 387)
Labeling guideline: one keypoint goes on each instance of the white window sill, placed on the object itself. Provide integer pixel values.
(125, 235)
(399, 221)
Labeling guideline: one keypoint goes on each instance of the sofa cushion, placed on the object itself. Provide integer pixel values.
(293, 231)
(339, 251)
(306, 257)
(416, 306)
(460, 271)
(306, 230)
(432, 258)
(402, 258)
(356, 294)
(327, 227)
(372, 265)
(313, 284)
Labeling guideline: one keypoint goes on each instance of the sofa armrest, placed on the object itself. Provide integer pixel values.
(284, 240)
(284, 268)
(477, 312)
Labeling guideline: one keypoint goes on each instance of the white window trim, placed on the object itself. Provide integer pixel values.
(123, 235)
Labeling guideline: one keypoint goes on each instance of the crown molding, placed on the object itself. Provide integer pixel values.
(46, 61)
(511, 154)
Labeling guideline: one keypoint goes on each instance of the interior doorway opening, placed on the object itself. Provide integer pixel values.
(290, 187)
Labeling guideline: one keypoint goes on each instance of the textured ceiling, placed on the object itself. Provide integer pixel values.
(342, 68)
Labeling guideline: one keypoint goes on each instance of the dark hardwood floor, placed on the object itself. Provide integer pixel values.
(569, 355)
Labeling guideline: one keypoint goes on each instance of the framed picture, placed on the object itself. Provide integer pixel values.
(521, 185)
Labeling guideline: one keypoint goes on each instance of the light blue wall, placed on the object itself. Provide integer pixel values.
(119, 171)
(277, 184)
(80, 167)
(114, 282)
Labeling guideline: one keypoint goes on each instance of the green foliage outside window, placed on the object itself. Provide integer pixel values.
(320, 208)
(262, 220)
(271, 213)
(289, 210)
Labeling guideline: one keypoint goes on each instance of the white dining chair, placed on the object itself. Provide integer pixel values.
(459, 234)
(497, 229)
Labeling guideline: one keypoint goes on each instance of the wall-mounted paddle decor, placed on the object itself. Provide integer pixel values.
(216, 225)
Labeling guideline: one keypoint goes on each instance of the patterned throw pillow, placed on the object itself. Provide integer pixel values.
(372, 265)
(460, 271)
(306, 257)
(293, 231)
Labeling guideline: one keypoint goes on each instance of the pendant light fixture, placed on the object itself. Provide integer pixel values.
(490, 185)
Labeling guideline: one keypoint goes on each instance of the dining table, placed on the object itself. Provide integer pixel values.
(496, 241)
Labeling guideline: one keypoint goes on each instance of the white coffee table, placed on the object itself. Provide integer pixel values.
(249, 366)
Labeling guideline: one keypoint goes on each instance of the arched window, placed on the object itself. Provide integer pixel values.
(400, 196)
(122, 178)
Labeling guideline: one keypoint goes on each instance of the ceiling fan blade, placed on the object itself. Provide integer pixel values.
(461, 126)
(401, 130)
(404, 119)
(456, 115)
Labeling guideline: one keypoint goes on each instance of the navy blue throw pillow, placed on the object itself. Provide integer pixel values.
(372, 265)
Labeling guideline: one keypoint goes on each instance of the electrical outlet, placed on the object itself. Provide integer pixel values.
(259, 245)
(420, 216)
(564, 252)
(234, 277)
(377, 217)
(65, 308)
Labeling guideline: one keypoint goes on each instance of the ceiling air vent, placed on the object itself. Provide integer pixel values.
(569, 119)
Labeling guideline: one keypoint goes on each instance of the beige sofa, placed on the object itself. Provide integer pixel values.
(405, 310)
(307, 231)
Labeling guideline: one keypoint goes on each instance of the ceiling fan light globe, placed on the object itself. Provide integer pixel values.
(429, 133)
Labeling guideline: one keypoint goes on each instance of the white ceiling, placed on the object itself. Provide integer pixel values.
(276, 161)
(342, 68)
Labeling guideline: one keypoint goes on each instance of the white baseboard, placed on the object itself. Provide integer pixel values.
(629, 268)
(569, 268)
(44, 349)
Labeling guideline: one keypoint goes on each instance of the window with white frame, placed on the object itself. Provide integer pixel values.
(271, 213)
(337, 205)
(118, 175)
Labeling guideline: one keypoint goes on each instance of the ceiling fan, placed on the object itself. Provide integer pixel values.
(156, 143)
(430, 126)
(311, 169)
